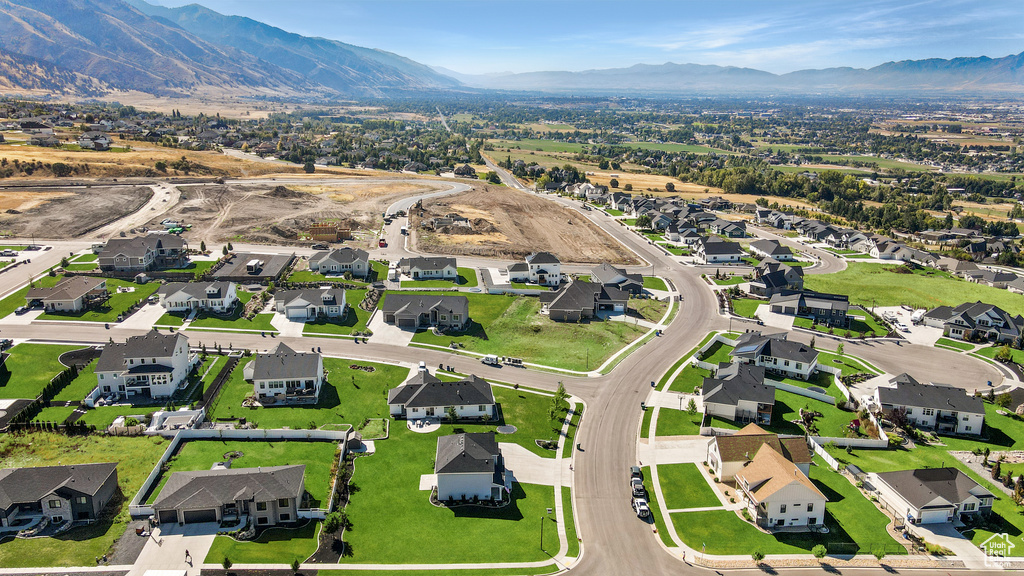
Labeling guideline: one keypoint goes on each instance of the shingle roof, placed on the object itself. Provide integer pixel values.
(152, 345)
(207, 488)
(753, 344)
(770, 472)
(582, 295)
(198, 290)
(921, 487)
(284, 363)
(344, 255)
(410, 303)
(315, 296)
(735, 382)
(24, 485)
(424, 390)
(463, 453)
(428, 263)
(771, 247)
(140, 245)
(722, 247)
(745, 443)
(67, 289)
(608, 274)
(542, 258)
(910, 392)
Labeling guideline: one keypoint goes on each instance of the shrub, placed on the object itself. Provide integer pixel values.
(819, 551)
(227, 563)
(757, 555)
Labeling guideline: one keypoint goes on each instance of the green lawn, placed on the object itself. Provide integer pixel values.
(202, 454)
(549, 569)
(650, 309)
(274, 546)
(77, 390)
(30, 368)
(613, 212)
(84, 267)
(652, 503)
(570, 524)
(684, 487)
(746, 307)
(673, 250)
(730, 281)
(677, 422)
(993, 351)
(846, 363)
(88, 257)
(116, 305)
(103, 416)
(875, 285)
(868, 327)
(961, 345)
(466, 279)
(197, 268)
(379, 272)
(354, 321)
(691, 377)
(655, 283)
(9, 304)
(56, 414)
(513, 326)
(717, 353)
(136, 457)
(787, 409)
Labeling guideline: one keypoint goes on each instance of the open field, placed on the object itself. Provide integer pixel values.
(875, 285)
(136, 457)
(30, 368)
(511, 224)
(67, 212)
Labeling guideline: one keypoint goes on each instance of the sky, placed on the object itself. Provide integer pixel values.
(494, 36)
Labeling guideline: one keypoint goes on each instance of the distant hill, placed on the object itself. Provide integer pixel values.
(959, 75)
(347, 69)
(23, 74)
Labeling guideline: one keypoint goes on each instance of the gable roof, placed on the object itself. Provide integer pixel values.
(197, 290)
(542, 258)
(909, 392)
(605, 273)
(152, 345)
(314, 296)
(582, 295)
(140, 245)
(71, 288)
(204, 488)
(753, 344)
(736, 382)
(411, 303)
(771, 247)
(770, 472)
(424, 390)
(428, 262)
(745, 443)
(343, 255)
(25, 485)
(921, 487)
(284, 363)
(464, 453)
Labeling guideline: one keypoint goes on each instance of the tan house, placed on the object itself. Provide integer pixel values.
(778, 494)
(727, 455)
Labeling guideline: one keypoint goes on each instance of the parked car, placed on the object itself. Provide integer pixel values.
(641, 508)
(21, 309)
(382, 243)
(321, 246)
(637, 485)
(636, 472)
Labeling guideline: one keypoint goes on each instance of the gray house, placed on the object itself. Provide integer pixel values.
(286, 375)
(931, 496)
(411, 310)
(738, 393)
(340, 261)
(142, 253)
(426, 396)
(608, 275)
(271, 495)
(429, 268)
(581, 299)
(469, 467)
(76, 493)
(829, 309)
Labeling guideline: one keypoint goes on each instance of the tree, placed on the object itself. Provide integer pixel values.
(224, 250)
(644, 221)
(757, 555)
(670, 187)
(898, 417)
(202, 245)
(335, 521)
(839, 350)
(227, 563)
(613, 183)
(819, 551)
(996, 470)
(493, 178)
(60, 170)
(628, 187)
(1004, 354)
(230, 247)
(161, 166)
(451, 414)
(1004, 400)
(691, 407)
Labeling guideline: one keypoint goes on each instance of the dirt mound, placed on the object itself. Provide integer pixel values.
(286, 233)
(482, 226)
(285, 192)
(191, 209)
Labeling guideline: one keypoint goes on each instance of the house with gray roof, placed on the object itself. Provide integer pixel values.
(771, 249)
(772, 277)
(580, 299)
(607, 275)
(412, 310)
(976, 320)
(542, 268)
(309, 304)
(776, 354)
(270, 495)
(945, 409)
(73, 294)
(737, 392)
(829, 309)
(286, 376)
(218, 297)
(430, 268)
(145, 368)
(713, 250)
(426, 396)
(76, 493)
(932, 495)
(143, 253)
(469, 466)
(340, 261)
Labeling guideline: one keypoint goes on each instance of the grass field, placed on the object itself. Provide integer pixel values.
(513, 326)
(80, 386)
(273, 546)
(883, 163)
(684, 487)
(872, 284)
(655, 283)
(690, 378)
(104, 416)
(56, 414)
(729, 280)
(116, 305)
(677, 422)
(961, 345)
(30, 368)
(135, 456)
(355, 320)
(570, 524)
(867, 327)
(746, 307)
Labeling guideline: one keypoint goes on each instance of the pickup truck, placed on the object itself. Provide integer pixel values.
(641, 508)
(637, 486)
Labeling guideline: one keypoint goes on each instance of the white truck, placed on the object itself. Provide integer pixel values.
(491, 360)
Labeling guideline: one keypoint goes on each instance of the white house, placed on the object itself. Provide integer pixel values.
(946, 409)
(144, 367)
(713, 250)
(340, 261)
(219, 297)
(771, 249)
(430, 268)
(778, 494)
(932, 495)
(286, 375)
(727, 455)
(69, 295)
(425, 396)
(470, 467)
(738, 393)
(310, 304)
(540, 268)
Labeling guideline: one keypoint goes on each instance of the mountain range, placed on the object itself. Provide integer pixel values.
(92, 47)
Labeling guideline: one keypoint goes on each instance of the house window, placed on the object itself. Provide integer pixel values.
(910, 411)
(261, 506)
(53, 503)
(81, 500)
(444, 316)
(812, 520)
(482, 407)
(785, 362)
(928, 411)
(969, 507)
(967, 428)
(782, 509)
(799, 366)
(282, 502)
(456, 317)
(262, 520)
(965, 418)
(286, 517)
(810, 507)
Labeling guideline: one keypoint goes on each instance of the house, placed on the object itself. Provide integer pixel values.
(712, 250)
(143, 253)
(778, 494)
(1016, 285)
(340, 261)
(469, 466)
(610, 276)
(776, 354)
(772, 277)
(145, 367)
(728, 228)
(829, 309)
(945, 409)
(217, 297)
(270, 495)
(426, 396)
(286, 375)
(411, 310)
(932, 495)
(45, 140)
(737, 392)
(76, 493)
(994, 278)
(715, 203)
(771, 249)
(541, 268)
(727, 455)
(33, 127)
(94, 140)
(430, 268)
(581, 299)
(465, 170)
(309, 304)
(976, 321)
(72, 294)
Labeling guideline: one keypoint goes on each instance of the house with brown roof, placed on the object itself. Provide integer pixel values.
(69, 295)
(778, 494)
(728, 455)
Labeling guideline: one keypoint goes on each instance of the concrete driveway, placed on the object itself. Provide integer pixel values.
(143, 319)
(529, 468)
(165, 549)
(945, 535)
(385, 333)
(676, 451)
(773, 319)
(286, 327)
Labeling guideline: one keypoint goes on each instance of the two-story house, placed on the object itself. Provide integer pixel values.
(286, 376)
(772, 277)
(970, 321)
(145, 367)
(776, 354)
(778, 494)
(75, 493)
(727, 455)
(142, 253)
(541, 268)
(469, 466)
(945, 409)
(738, 393)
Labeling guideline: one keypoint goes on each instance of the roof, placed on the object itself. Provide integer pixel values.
(207, 488)
(582, 295)
(425, 390)
(770, 247)
(197, 290)
(140, 245)
(24, 485)
(736, 382)
(743, 445)
(519, 267)
(284, 363)
(921, 487)
(314, 296)
(607, 274)
(723, 247)
(770, 472)
(67, 289)
(753, 344)
(152, 345)
(542, 258)
(466, 453)
(813, 300)
(428, 263)
(344, 255)
(910, 392)
(410, 303)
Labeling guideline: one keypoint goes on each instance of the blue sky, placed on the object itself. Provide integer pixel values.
(485, 36)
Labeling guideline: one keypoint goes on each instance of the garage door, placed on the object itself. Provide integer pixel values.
(407, 323)
(196, 516)
(168, 517)
(933, 516)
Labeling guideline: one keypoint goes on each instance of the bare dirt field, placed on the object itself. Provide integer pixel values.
(269, 213)
(509, 224)
(68, 212)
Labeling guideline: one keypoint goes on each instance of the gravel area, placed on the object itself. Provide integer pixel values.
(128, 547)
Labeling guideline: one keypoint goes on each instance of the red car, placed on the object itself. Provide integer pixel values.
(382, 243)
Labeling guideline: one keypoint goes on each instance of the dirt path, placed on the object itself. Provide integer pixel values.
(165, 196)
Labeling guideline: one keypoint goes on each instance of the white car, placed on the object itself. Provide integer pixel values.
(641, 508)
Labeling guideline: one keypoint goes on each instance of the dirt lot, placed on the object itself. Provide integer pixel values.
(509, 224)
(69, 212)
(267, 213)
